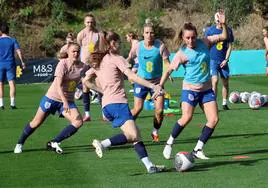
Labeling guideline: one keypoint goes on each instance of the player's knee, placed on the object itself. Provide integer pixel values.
(77, 123)
(133, 137)
(214, 121)
(159, 113)
(185, 119)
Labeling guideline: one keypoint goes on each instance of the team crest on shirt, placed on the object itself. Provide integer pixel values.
(138, 90)
(47, 105)
(191, 97)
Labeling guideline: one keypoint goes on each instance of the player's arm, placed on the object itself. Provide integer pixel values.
(18, 51)
(89, 82)
(228, 53)
(135, 78)
(266, 47)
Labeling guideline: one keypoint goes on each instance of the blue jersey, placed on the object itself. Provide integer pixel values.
(197, 66)
(8, 46)
(150, 61)
(218, 51)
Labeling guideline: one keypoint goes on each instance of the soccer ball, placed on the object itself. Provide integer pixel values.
(244, 96)
(183, 161)
(255, 101)
(234, 97)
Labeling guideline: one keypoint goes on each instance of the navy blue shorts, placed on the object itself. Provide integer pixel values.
(51, 106)
(117, 113)
(7, 71)
(215, 69)
(141, 91)
(193, 97)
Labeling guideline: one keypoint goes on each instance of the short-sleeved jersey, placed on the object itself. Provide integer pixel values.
(8, 45)
(150, 60)
(71, 76)
(218, 51)
(110, 77)
(197, 63)
(89, 41)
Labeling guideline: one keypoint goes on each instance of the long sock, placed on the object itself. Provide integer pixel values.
(177, 129)
(65, 133)
(224, 101)
(206, 133)
(199, 145)
(157, 124)
(12, 101)
(86, 101)
(106, 143)
(147, 163)
(119, 139)
(26, 133)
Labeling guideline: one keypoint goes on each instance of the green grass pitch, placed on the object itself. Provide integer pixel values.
(240, 132)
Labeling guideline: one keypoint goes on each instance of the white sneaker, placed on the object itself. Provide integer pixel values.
(167, 151)
(199, 154)
(131, 91)
(55, 147)
(156, 168)
(18, 148)
(95, 101)
(98, 148)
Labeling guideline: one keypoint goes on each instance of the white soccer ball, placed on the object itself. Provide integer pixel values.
(234, 97)
(183, 161)
(255, 101)
(244, 96)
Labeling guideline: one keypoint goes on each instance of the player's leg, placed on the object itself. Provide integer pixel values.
(188, 107)
(29, 128)
(225, 86)
(2, 79)
(75, 120)
(211, 112)
(86, 102)
(140, 93)
(158, 117)
(11, 77)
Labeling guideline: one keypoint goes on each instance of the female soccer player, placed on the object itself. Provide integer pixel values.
(8, 46)
(150, 53)
(109, 70)
(60, 98)
(197, 88)
(90, 40)
(265, 39)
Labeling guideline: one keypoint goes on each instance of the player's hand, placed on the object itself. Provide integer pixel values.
(223, 63)
(66, 107)
(23, 65)
(221, 16)
(158, 90)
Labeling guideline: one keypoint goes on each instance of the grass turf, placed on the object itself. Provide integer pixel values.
(240, 132)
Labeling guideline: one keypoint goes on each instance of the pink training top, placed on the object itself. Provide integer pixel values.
(70, 74)
(88, 40)
(110, 77)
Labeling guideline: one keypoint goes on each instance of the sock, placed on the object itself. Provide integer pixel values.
(140, 150)
(26, 133)
(86, 101)
(119, 139)
(206, 133)
(157, 124)
(155, 131)
(177, 129)
(147, 163)
(106, 143)
(12, 101)
(87, 113)
(224, 101)
(199, 145)
(65, 133)
(170, 140)
(1, 102)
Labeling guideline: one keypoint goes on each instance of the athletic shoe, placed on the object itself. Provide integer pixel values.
(167, 151)
(98, 148)
(18, 148)
(54, 146)
(155, 137)
(156, 169)
(2, 108)
(199, 154)
(86, 118)
(225, 107)
(13, 107)
(95, 101)
(78, 94)
(131, 91)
